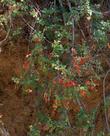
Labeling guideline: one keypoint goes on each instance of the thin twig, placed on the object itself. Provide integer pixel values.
(31, 27)
(36, 7)
(73, 23)
(61, 4)
(3, 131)
(55, 3)
(79, 103)
(94, 120)
(104, 100)
(81, 31)
(7, 35)
(66, 111)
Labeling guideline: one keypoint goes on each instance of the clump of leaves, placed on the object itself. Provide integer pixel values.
(58, 68)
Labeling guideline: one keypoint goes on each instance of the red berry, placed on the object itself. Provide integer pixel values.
(83, 93)
(91, 88)
(26, 65)
(54, 82)
(87, 82)
(60, 81)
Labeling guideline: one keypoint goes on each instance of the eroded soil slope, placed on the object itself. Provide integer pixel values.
(17, 111)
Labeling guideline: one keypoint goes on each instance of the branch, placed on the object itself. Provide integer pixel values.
(81, 31)
(36, 6)
(106, 14)
(104, 100)
(3, 130)
(31, 27)
(7, 35)
(73, 23)
(61, 4)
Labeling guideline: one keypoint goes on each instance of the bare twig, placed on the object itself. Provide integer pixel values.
(104, 100)
(7, 35)
(55, 3)
(94, 119)
(3, 131)
(61, 4)
(79, 103)
(102, 2)
(73, 23)
(36, 7)
(66, 111)
(31, 27)
(81, 31)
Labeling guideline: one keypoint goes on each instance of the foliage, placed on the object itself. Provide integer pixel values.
(57, 67)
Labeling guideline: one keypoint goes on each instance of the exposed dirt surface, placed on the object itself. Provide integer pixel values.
(16, 112)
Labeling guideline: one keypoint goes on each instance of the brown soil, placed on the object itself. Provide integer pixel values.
(17, 113)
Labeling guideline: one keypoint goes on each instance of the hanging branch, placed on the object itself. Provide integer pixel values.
(81, 31)
(104, 101)
(7, 35)
(25, 21)
(61, 4)
(73, 24)
(36, 7)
